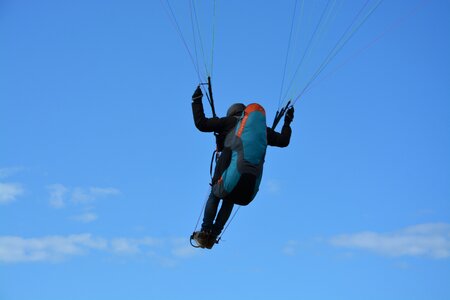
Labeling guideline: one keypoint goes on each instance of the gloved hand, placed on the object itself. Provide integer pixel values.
(289, 116)
(197, 94)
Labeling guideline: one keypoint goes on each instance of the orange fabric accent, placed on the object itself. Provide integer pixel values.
(253, 107)
(249, 109)
(241, 128)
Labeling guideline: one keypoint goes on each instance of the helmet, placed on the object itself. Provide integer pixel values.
(235, 110)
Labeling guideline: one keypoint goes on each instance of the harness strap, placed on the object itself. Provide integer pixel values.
(214, 158)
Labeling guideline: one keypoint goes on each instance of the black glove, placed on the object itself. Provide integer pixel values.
(198, 95)
(289, 117)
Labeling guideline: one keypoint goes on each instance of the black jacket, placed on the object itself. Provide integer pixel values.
(222, 126)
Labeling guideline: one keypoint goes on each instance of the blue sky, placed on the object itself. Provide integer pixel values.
(103, 174)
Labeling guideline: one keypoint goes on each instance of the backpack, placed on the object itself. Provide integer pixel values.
(239, 182)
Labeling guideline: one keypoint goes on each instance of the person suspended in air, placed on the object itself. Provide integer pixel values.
(241, 141)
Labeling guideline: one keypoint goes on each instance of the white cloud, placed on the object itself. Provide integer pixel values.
(7, 172)
(57, 193)
(184, 251)
(428, 240)
(290, 248)
(9, 192)
(133, 246)
(273, 186)
(52, 248)
(124, 246)
(181, 249)
(87, 217)
(62, 196)
(103, 192)
(165, 252)
(80, 195)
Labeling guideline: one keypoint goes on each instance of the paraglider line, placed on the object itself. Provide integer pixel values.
(193, 34)
(307, 48)
(176, 25)
(394, 25)
(338, 47)
(228, 224)
(213, 37)
(203, 209)
(287, 52)
(199, 36)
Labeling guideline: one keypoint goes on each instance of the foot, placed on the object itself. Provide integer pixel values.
(211, 240)
(201, 238)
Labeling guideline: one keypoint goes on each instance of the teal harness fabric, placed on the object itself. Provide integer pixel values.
(239, 182)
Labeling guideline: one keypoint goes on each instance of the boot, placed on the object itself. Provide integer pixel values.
(210, 241)
(201, 238)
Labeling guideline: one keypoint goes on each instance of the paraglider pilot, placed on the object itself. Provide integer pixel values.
(213, 221)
